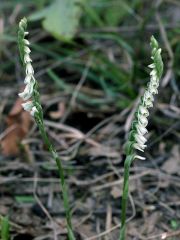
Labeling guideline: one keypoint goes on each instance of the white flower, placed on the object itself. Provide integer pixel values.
(27, 106)
(143, 120)
(143, 111)
(153, 90)
(154, 83)
(153, 73)
(154, 80)
(29, 69)
(151, 65)
(148, 96)
(141, 129)
(149, 104)
(27, 79)
(27, 49)
(139, 147)
(33, 111)
(26, 42)
(27, 58)
(27, 93)
(140, 139)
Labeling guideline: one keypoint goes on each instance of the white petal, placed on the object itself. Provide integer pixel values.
(139, 157)
(154, 83)
(27, 79)
(148, 96)
(27, 106)
(151, 65)
(27, 58)
(143, 111)
(149, 104)
(33, 111)
(143, 120)
(153, 90)
(27, 49)
(140, 139)
(141, 129)
(154, 79)
(27, 93)
(29, 69)
(153, 73)
(25, 96)
(139, 147)
(26, 42)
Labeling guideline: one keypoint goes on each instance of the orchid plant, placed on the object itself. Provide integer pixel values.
(137, 140)
(34, 107)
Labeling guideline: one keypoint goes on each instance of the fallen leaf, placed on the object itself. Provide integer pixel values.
(18, 123)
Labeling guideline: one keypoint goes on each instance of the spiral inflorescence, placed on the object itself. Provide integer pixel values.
(29, 79)
(136, 138)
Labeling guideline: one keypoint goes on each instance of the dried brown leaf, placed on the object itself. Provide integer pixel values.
(18, 124)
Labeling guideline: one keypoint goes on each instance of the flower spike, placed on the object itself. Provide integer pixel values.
(137, 139)
(25, 57)
(141, 118)
(148, 98)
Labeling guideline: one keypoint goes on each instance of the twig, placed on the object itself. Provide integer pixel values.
(43, 207)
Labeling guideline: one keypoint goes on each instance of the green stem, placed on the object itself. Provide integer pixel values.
(129, 159)
(55, 156)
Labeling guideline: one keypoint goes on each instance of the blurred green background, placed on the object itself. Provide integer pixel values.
(113, 35)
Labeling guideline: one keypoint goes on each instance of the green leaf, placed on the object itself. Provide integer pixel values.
(5, 228)
(61, 18)
(24, 199)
